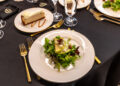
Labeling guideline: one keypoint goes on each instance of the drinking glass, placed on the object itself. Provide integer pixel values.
(1, 34)
(2, 25)
(57, 16)
(70, 10)
(32, 1)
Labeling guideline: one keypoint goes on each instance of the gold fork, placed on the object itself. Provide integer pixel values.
(23, 53)
(29, 43)
(102, 18)
(100, 14)
(57, 25)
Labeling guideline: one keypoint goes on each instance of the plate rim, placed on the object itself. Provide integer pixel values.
(69, 80)
(103, 12)
(28, 9)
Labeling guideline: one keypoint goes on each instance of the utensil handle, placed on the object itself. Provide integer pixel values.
(101, 14)
(34, 34)
(111, 17)
(27, 70)
(39, 32)
(111, 21)
(97, 60)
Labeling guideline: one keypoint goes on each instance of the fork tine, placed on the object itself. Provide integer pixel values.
(20, 47)
(24, 48)
(29, 42)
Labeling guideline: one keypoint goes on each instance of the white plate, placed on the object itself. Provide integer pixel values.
(28, 28)
(2, 0)
(38, 63)
(108, 11)
(80, 3)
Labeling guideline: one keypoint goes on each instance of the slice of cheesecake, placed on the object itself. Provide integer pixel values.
(28, 17)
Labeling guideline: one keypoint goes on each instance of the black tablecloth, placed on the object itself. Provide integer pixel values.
(105, 37)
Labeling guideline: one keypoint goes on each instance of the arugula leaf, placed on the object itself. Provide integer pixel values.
(60, 59)
(115, 6)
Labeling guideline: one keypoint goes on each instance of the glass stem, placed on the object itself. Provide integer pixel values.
(55, 10)
(71, 20)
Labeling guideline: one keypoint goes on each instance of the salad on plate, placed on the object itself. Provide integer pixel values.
(113, 4)
(61, 52)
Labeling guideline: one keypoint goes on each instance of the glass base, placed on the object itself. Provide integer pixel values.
(70, 21)
(32, 1)
(1, 34)
(57, 17)
(2, 23)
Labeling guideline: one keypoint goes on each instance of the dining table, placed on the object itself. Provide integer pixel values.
(104, 35)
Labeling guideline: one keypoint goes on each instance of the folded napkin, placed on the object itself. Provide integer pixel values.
(8, 11)
(46, 4)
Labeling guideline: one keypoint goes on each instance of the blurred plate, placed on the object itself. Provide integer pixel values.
(2, 0)
(80, 3)
(108, 11)
(42, 68)
(27, 28)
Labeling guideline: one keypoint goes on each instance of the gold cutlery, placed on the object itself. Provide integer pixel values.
(102, 18)
(88, 7)
(29, 43)
(23, 53)
(57, 25)
(97, 60)
(100, 14)
(99, 18)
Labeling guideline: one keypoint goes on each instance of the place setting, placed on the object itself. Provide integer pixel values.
(73, 48)
(106, 11)
(55, 54)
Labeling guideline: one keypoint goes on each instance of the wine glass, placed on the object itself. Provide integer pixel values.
(1, 34)
(32, 1)
(57, 16)
(70, 10)
(2, 25)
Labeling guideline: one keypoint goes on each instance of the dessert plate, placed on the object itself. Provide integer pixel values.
(27, 28)
(40, 65)
(108, 11)
(80, 5)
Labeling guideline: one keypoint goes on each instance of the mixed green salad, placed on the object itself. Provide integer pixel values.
(61, 52)
(113, 4)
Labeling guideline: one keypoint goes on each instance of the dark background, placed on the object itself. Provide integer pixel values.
(105, 37)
